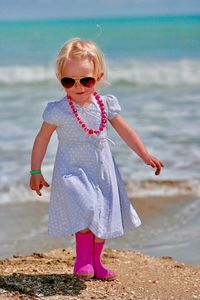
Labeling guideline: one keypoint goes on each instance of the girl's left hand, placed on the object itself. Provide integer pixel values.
(154, 163)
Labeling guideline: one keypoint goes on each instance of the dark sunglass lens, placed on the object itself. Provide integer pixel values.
(67, 82)
(87, 82)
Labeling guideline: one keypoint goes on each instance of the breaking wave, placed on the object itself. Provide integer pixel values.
(185, 72)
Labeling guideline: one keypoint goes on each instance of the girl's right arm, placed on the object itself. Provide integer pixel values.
(39, 149)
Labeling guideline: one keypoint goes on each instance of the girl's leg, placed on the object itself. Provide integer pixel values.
(100, 271)
(84, 250)
(98, 240)
(85, 230)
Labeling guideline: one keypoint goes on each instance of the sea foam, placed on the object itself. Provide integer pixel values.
(137, 72)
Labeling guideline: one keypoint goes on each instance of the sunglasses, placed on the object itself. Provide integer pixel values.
(69, 82)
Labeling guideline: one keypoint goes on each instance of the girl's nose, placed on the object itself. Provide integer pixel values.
(77, 84)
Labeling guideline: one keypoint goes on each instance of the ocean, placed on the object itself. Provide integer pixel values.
(154, 70)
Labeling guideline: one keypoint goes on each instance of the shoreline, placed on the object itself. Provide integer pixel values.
(158, 216)
(49, 275)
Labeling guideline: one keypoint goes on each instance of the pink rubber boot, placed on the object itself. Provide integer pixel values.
(84, 248)
(99, 269)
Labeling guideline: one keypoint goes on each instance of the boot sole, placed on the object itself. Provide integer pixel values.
(84, 276)
(106, 278)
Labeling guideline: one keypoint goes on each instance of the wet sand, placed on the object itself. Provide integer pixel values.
(50, 276)
(24, 229)
(25, 226)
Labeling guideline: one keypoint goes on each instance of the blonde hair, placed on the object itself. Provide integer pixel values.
(84, 50)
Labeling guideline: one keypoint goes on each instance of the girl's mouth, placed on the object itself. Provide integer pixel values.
(81, 93)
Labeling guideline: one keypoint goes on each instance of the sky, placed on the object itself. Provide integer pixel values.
(48, 9)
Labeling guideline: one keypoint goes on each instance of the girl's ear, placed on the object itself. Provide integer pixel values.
(100, 76)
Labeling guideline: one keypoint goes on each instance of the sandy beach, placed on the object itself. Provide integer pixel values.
(49, 275)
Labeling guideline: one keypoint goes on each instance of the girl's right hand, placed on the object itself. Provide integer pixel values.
(37, 182)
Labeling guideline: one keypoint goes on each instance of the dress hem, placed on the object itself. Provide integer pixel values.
(107, 236)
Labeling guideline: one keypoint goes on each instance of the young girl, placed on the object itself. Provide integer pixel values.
(88, 197)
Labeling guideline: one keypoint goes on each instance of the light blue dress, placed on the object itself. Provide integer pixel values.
(87, 189)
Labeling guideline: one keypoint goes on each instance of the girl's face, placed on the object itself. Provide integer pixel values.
(75, 68)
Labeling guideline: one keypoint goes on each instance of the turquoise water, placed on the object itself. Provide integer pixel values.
(154, 70)
(33, 42)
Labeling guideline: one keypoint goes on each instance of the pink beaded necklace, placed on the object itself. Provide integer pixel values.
(83, 125)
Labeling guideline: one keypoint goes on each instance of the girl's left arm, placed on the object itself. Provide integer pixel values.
(132, 139)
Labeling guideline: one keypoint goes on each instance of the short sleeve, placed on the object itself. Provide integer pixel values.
(50, 114)
(113, 106)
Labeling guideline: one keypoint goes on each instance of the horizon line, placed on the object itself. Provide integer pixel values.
(103, 17)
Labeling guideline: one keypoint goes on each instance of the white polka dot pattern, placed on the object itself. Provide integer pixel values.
(87, 188)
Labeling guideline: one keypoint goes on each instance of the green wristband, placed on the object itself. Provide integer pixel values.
(38, 171)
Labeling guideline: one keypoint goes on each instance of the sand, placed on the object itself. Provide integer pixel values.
(49, 275)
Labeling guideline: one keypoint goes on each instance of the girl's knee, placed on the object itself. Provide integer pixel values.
(85, 230)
